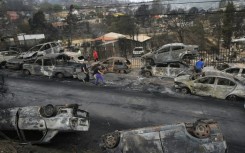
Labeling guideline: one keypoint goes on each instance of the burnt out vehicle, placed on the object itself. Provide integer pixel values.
(39, 124)
(52, 65)
(18, 61)
(166, 69)
(202, 136)
(218, 85)
(173, 51)
(114, 65)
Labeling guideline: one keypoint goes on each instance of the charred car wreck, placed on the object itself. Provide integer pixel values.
(166, 69)
(39, 124)
(203, 136)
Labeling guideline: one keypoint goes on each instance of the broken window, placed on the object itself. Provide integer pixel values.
(162, 65)
(54, 44)
(36, 48)
(39, 61)
(174, 65)
(166, 49)
(47, 62)
(207, 80)
(243, 71)
(233, 70)
(117, 62)
(174, 48)
(225, 82)
(33, 135)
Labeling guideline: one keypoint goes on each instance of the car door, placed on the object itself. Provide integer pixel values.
(55, 47)
(48, 67)
(160, 70)
(176, 51)
(46, 49)
(223, 88)
(36, 67)
(162, 55)
(174, 69)
(204, 86)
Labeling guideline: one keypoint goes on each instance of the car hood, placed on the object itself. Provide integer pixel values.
(28, 54)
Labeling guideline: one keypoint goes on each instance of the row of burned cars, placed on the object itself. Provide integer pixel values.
(39, 124)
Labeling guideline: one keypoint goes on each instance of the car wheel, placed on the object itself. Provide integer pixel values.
(26, 72)
(111, 140)
(60, 75)
(48, 110)
(232, 98)
(201, 130)
(184, 90)
(147, 74)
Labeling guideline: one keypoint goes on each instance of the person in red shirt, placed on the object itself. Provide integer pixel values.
(95, 55)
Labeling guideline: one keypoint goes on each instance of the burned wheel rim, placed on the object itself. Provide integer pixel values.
(232, 98)
(26, 72)
(111, 140)
(184, 90)
(60, 75)
(48, 110)
(147, 74)
(202, 130)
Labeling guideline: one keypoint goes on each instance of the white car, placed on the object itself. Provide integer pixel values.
(138, 51)
(219, 85)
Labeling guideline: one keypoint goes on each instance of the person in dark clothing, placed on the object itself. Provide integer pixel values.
(85, 70)
(98, 75)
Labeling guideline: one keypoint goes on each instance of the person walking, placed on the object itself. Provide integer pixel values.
(199, 66)
(95, 55)
(98, 75)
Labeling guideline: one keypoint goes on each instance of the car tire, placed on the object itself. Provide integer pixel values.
(60, 75)
(48, 110)
(232, 98)
(26, 72)
(147, 74)
(201, 130)
(111, 140)
(185, 90)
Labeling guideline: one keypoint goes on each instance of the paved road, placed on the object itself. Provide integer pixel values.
(113, 109)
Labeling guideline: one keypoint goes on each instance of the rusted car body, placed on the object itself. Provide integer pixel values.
(218, 84)
(7, 55)
(39, 124)
(202, 136)
(114, 64)
(52, 65)
(170, 52)
(167, 69)
(3, 87)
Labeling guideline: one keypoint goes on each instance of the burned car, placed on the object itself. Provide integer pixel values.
(6, 55)
(114, 64)
(166, 69)
(18, 61)
(52, 65)
(39, 124)
(218, 84)
(174, 51)
(3, 87)
(202, 136)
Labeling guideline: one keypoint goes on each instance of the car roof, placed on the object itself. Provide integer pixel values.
(116, 58)
(221, 74)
